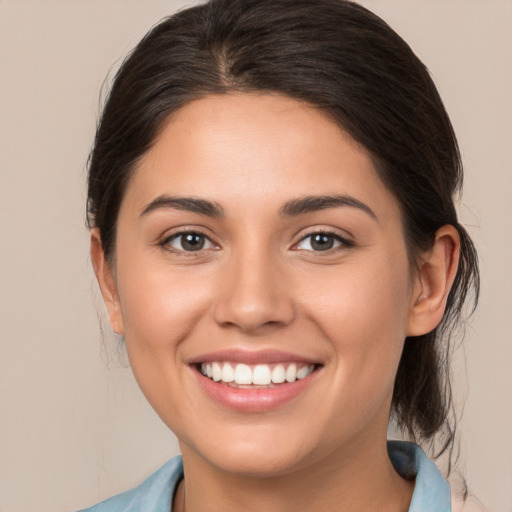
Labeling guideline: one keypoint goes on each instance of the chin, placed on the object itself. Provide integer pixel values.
(256, 452)
(255, 463)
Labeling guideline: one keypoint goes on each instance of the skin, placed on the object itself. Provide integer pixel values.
(258, 284)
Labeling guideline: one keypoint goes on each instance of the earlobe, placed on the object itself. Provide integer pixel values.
(107, 283)
(434, 279)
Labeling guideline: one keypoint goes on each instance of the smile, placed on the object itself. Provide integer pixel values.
(254, 381)
(238, 375)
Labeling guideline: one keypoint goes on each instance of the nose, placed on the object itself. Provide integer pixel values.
(254, 295)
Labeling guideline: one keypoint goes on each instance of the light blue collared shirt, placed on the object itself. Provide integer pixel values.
(431, 490)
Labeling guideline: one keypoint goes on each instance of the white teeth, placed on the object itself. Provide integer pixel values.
(228, 374)
(216, 372)
(303, 372)
(259, 375)
(291, 373)
(278, 374)
(243, 374)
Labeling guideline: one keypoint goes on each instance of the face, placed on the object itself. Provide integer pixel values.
(262, 284)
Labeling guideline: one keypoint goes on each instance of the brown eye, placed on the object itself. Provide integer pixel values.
(189, 242)
(319, 242)
(322, 242)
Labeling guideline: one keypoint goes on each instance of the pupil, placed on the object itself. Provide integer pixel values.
(322, 242)
(193, 242)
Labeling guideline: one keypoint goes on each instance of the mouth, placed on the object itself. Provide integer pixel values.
(245, 376)
(254, 381)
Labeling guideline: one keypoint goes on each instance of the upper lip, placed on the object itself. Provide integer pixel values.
(251, 357)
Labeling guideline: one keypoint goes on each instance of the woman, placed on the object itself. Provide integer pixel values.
(274, 234)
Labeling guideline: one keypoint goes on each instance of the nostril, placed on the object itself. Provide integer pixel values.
(253, 317)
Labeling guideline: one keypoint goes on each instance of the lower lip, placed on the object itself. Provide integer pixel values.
(253, 400)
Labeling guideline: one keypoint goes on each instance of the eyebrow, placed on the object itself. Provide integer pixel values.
(310, 204)
(189, 204)
(293, 208)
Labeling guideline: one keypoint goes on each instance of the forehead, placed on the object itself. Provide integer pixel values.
(255, 149)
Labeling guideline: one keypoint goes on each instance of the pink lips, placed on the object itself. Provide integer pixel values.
(251, 399)
(250, 357)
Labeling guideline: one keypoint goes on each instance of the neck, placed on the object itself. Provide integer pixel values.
(359, 481)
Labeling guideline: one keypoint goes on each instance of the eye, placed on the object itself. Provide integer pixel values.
(189, 242)
(322, 242)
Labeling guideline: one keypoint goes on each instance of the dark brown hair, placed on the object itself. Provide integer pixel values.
(344, 60)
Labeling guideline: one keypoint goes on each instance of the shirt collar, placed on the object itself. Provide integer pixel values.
(431, 490)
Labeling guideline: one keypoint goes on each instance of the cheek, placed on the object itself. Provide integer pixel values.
(160, 308)
(362, 297)
(162, 311)
(362, 310)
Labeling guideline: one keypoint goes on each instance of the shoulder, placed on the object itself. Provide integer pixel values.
(154, 494)
(431, 490)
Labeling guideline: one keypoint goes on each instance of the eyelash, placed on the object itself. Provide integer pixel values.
(180, 235)
(334, 238)
(343, 243)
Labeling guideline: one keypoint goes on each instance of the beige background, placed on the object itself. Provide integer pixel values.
(74, 428)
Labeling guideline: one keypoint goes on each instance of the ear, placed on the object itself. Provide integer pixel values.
(106, 280)
(433, 282)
